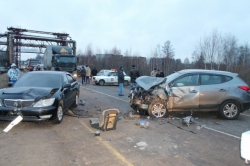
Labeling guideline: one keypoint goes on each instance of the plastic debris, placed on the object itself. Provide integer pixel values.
(97, 133)
(13, 123)
(187, 120)
(200, 126)
(142, 145)
(81, 102)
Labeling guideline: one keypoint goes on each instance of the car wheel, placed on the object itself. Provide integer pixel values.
(59, 114)
(76, 102)
(229, 110)
(101, 82)
(158, 109)
(126, 83)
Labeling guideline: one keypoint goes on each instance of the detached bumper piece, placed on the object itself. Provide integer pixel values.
(107, 121)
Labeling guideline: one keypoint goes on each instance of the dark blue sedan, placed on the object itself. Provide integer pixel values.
(39, 96)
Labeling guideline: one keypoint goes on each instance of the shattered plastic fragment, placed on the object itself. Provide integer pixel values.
(13, 123)
(187, 120)
(142, 145)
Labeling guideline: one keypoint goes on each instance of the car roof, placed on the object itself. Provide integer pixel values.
(49, 72)
(185, 71)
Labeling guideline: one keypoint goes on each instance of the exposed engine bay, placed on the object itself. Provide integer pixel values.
(150, 96)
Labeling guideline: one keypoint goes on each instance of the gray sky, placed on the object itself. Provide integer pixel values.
(135, 25)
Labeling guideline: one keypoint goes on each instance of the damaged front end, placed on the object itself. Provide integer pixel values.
(150, 96)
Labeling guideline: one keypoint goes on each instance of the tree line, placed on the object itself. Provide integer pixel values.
(214, 52)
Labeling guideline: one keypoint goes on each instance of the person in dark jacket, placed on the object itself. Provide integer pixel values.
(83, 74)
(161, 74)
(158, 74)
(94, 72)
(120, 81)
(134, 73)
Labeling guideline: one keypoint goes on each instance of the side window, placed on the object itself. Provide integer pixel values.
(210, 79)
(227, 78)
(189, 80)
(65, 80)
(70, 78)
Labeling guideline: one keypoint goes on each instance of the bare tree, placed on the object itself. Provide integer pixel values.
(230, 51)
(168, 53)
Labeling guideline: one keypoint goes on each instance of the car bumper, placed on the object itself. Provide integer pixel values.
(28, 114)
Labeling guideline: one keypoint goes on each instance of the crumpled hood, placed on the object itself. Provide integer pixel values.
(146, 82)
(27, 93)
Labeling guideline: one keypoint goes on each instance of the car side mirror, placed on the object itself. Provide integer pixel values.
(66, 85)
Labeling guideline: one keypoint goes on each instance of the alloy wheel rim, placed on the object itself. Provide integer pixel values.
(158, 110)
(230, 110)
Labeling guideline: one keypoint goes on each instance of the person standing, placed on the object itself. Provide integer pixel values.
(13, 73)
(161, 74)
(158, 74)
(153, 73)
(83, 74)
(134, 73)
(120, 81)
(94, 72)
(38, 68)
(88, 73)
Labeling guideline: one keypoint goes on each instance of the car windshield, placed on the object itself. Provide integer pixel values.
(34, 62)
(67, 59)
(173, 76)
(39, 80)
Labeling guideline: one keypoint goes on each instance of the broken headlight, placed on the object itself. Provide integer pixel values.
(44, 102)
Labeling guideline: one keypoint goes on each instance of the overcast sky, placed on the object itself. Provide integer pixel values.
(136, 25)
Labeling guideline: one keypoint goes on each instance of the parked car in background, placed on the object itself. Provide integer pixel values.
(41, 66)
(111, 78)
(105, 72)
(39, 96)
(31, 63)
(197, 90)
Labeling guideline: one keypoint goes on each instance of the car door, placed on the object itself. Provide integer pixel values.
(212, 90)
(66, 94)
(72, 89)
(185, 92)
(112, 77)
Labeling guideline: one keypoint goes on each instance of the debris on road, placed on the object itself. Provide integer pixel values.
(81, 102)
(13, 123)
(97, 133)
(200, 126)
(142, 145)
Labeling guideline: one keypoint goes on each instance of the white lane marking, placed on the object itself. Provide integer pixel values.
(204, 127)
(245, 114)
(222, 132)
(107, 94)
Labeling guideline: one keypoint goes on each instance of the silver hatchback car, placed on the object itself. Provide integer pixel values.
(192, 89)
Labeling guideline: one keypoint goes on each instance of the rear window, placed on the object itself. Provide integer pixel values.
(39, 80)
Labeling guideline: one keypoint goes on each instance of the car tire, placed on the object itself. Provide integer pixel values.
(101, 82)
(229, 110)
(158, 109)
(126, 83)
(58, 117)
(76, 102)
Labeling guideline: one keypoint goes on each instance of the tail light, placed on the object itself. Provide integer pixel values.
(245, 88)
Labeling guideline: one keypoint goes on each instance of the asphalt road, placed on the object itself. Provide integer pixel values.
(168, 141)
